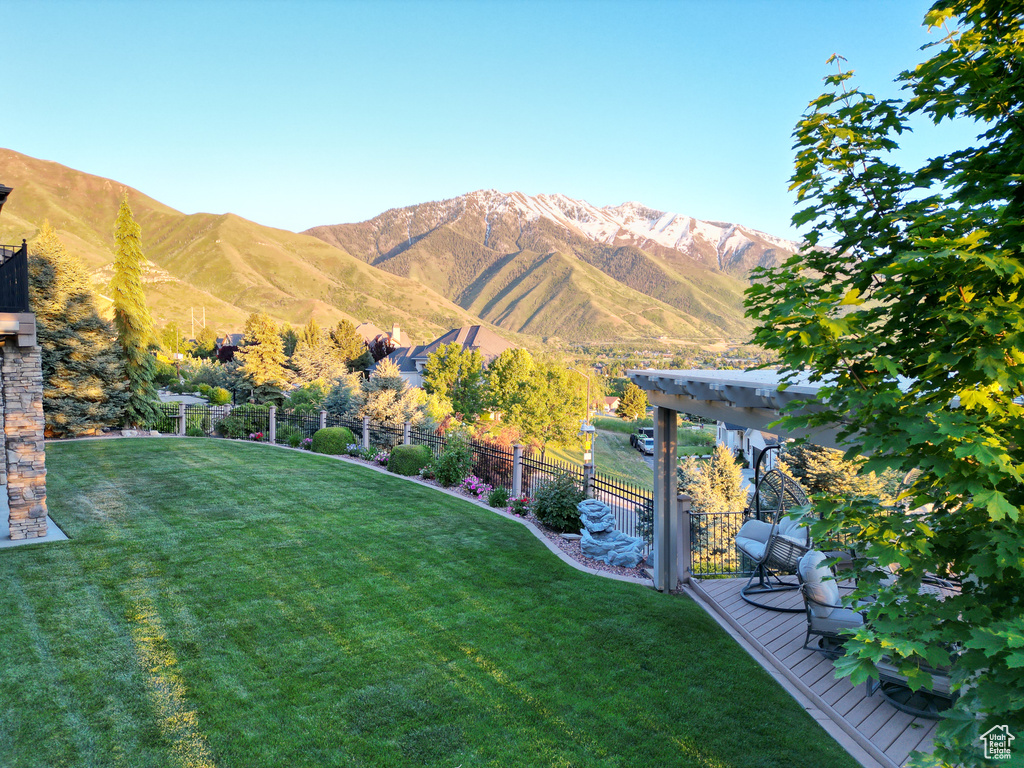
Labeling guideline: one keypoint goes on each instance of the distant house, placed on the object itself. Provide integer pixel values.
(611, 404)
(411, 359)
(730, 435)
(368, 331)
(231, 340)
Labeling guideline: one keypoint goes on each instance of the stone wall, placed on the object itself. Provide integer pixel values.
(24, 451)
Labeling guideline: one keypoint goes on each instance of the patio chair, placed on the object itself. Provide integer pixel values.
(775, 544)
(826, 617)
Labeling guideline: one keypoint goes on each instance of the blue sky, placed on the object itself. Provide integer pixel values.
(303, 113)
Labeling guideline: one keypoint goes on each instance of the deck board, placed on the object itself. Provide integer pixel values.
(781, 635)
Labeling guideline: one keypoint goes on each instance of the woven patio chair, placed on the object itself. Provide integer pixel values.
(776, 540)
(826, 616)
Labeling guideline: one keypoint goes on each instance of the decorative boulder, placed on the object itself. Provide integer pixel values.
(601, 541)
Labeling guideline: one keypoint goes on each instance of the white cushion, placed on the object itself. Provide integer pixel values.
(819, 584)
(794, 529)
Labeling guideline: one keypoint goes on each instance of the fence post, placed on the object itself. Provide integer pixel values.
(517, 471)
(366, 431)
(588, 479)
(683, 546)
(181, 418)
(272, 425)
(407, 433)
(323, 419)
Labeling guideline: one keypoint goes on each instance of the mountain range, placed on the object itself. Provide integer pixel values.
(529, 266)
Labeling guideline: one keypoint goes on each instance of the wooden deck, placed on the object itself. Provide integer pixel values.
(780, 636)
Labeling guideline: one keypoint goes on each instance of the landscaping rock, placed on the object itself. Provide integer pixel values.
(601, 541)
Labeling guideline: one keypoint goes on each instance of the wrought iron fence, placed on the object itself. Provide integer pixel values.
(536, 471)
(493, 465)
(167, 422)
(386, 435)
(291, 428)
(713, 552)
(433, 441)
(632, 505)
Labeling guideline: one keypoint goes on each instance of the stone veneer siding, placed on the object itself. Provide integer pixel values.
(24, 451)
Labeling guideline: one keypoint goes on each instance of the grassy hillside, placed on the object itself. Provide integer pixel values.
(224, 263)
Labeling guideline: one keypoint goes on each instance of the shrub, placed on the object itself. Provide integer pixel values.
(219, 396)
(409, 459)
(289, 435)
(306, 444)
(205, 390)
(520, 505)
(195, 431)
(244, 421)
(454, 462)
(427, 473)
(332, 440)
(381, 457)
(554, 503)
(498, 497)
(354, 449)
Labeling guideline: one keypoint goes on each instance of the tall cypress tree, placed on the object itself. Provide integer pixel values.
(132, 320)
(84, 388)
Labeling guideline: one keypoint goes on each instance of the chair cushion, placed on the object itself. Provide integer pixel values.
(819, 584)
(839, 618)
(758, 530)
(753, 548)
(794, 529)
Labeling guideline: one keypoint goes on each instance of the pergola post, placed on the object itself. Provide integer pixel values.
(666, 519)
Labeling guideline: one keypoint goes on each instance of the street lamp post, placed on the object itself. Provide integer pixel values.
(586, 428)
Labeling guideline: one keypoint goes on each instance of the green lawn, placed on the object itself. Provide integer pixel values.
(229, 604)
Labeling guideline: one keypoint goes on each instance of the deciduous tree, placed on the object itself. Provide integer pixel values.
(132, 320)
(912, 320)
(456, 374)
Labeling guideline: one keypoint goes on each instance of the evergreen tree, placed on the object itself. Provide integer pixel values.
(206, 344)
(633, 403)
(311, 334)
(133, 322)
(348, 344)
(261, 361)
(289, 339)
(83, 378)
(386, 397)
(317, 361)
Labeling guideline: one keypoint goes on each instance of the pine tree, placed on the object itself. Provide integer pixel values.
(386, 397)
(633, 403)
(261, 360)
(347, 342)
(83, 379)
(132, 320)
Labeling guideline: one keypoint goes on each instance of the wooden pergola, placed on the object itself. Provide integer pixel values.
(747, 398)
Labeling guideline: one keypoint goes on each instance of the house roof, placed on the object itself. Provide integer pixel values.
(368, 331)
(611, 400)
(470, 337)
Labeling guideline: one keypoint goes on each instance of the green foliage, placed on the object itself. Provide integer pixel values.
(289, 339)
(544, 400)
(633, 403)
(261, 360)
(83, 377)
(823, 471)
(455, 461)
(456, 374)
(219, 396)
(333, 440)
(315, 358)
(164, 373)
(289, 435)
(386, 398)
(344, 398)
(244, 420)
(917, 335)
(498, 497)
(555, 503)
(206, 344)
(348, 344)
(409, 459)
(132, 320)
(307, 399)
(194, 431)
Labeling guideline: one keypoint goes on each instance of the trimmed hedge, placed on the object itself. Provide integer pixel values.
(333, 441)
(409, 459)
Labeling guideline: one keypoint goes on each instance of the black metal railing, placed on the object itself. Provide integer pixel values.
(537, 471)
(493, 465)
(14, 278)
(435, 442)
(713, 552)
